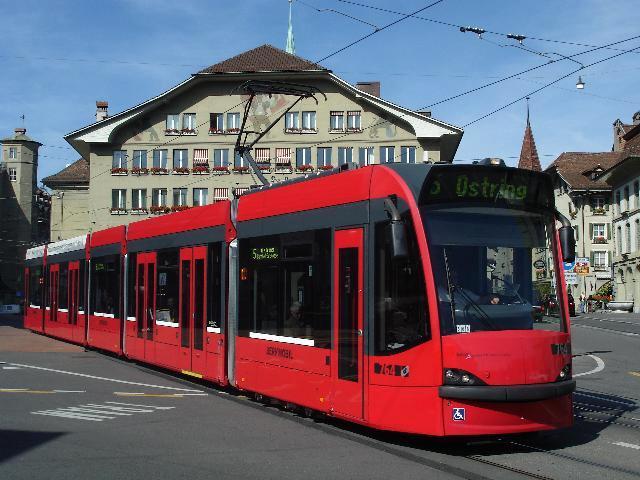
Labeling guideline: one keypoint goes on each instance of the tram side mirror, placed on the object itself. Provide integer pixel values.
(568, 244)
(397, 235)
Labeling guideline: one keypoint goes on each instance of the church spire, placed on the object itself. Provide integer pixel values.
(529, 153)
(291, 44)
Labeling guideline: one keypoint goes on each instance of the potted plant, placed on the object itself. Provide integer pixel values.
(325, 167)
(599, 211)
(159, 171)
(139, 171)
(305, 168)
(220, 169)
(118, 171)
(264, 167)
(118, 211)
(233, 130)
(156, 210)
(139, 211)
(240, 169)
(201, 169)
(181, 170)
(215, 131)
(188, 131)
(179, 208)
(171, 131)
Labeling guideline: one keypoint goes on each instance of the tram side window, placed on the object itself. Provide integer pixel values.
(168, 285)
(82, 285)
(105, 285)
(36, 281)
(131, 284)
(63, 298)
(214, 319)
(285, 286)
(401, 314)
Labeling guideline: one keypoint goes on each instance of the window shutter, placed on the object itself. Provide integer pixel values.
(591, 230)
(607, 227)
(606, 206)
(593, 255)
(609, 259)
(361, 155)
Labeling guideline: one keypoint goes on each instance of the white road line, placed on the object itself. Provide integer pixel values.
(11, 368)
(599, 367)
(107, 379)
(628, 445)
(143, 406)
(628, 334)
(70, 391)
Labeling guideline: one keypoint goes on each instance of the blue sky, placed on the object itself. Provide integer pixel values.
(58, 60)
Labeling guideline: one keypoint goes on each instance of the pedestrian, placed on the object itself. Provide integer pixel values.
(583, 299)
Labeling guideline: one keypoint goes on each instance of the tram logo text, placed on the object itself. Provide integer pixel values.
(280, 352)
(561, 349)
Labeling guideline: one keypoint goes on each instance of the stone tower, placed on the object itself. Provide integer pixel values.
(18, 209)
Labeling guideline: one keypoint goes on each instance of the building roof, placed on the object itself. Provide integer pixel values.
(576, 168)
(20, 135)
(265, 58)
(529, 153)
(77, 173)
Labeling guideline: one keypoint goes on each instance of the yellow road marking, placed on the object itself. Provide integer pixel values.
(635, 374)
(192, 374)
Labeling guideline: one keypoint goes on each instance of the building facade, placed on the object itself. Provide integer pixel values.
(624, 179)
(176, 150)
(23, 211)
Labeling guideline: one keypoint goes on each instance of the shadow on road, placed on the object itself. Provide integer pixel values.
(12, 320)
(16, 442)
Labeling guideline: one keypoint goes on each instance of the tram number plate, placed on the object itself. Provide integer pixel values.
(458, 414)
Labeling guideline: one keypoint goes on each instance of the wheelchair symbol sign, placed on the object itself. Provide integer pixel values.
(458, 414)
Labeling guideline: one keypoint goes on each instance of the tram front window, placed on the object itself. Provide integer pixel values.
(491, 268)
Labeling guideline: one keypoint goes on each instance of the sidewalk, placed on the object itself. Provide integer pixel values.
(14, 338)
(606, 314)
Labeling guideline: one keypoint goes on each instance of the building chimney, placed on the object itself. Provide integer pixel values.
(101, 110)
(636, 118)
(372, 88)
(20, 131)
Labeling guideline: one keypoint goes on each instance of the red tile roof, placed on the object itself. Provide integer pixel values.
(575, 168)
(77, 173)
(265, 58)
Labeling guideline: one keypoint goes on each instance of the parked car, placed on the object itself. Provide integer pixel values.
(550, 305)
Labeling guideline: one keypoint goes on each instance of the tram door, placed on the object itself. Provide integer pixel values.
(74, 271)
(145, 305)
(347, 354)
(54, 275)
(193, 308)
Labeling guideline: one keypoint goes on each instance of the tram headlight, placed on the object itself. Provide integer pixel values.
(565, 373)
(455, 376)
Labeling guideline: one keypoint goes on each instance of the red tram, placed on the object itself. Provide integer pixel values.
(395, 296)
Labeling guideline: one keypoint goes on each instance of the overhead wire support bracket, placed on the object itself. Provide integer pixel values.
(255, 87)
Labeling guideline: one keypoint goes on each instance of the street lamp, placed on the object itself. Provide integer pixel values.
(580, 84)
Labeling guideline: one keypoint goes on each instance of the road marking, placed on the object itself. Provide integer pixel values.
(11, 368)
(28, 390)
(635, 374)
(93, 412)
(107, 379)
(167, 395)
(628, 445)
(70, 391)
(599, 367)
(628, 334)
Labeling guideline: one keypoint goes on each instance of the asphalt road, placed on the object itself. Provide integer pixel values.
(67, 413)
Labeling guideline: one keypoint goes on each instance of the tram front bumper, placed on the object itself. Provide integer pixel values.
(507, 393)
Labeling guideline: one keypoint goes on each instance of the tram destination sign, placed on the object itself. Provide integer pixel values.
(265, 253)
(483, 184)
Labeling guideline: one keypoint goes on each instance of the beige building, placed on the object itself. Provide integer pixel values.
(23, 210)
(176, 150)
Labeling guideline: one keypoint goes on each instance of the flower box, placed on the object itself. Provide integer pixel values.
(354, 130)
(599, 211)
(220, 170)
(325, 167)
(240, 169)
(181, 171)
(118, 211)
(179, 208)
(171, 131)
(139, 171)
(119, 171)
(599, 240)
(215, 131)
(139, 211)
(309, 130)
(305, 168)
(264, 168)
(159, 171)
(292, 130)
(188, 131)
(336, 130)
(159, 210)
(232, 130)
(201, 170)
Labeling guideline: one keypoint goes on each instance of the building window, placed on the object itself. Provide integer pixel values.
(599, 260)
(13, 174)
(636, 194)
(283, 156)
(118, 199)
(598, 206)
(598, 233)
(263, 155)
(627, 238)
(365, 156)
(179, 197)
(309, 121)
(619, 201)
(159, 197)
(324, 157)
(220, 194)
(303, 157)
(180, 160)
(345, 155)
(626, 198)
(201, 159)
(119, 160)
(637, 235)
(200, 196)
(239, 191)
(233, 122)
(139, 159)
(336, 121)
(619, 240)
(216, 123)
(139, 199)
(239, 162)
(408, 154)
(354, 122)
(173, 123)
(221, 158)
(189, 123)
(13, 152)
(292, 122)
(387, 154)
(160, 159)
